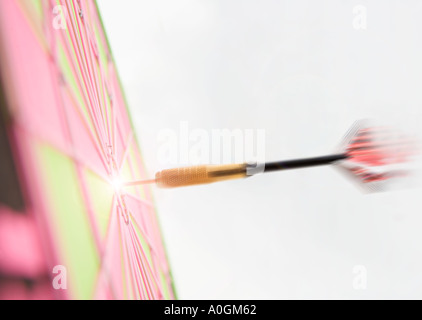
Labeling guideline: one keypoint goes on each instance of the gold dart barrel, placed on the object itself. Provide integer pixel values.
(203, 174)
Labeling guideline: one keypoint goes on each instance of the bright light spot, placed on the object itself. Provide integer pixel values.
(117, 184)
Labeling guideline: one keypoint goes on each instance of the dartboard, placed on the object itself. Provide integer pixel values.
(67, 228)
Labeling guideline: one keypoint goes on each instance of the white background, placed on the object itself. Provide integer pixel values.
(302, 72)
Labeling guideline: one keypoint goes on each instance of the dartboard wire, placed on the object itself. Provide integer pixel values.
(90, 210)
(76, 105)
(146, 235)
(113, 124)
(131, 281)
(107, 105)
(152, 221)
(87, 83)
(149, 273)
(112, 75)
(84, 93)
(113, 107)
(97, 75)
(153, 251)
(125, 158)
(114, 204)
(127, 286)
(143, 257)
(99, 30)
(139, 289)
(104, 266)
(90, 135)
(138, 264)
(127, 147)
(142, 171)
(83, 52)
(133, 268)
(83, 68)
(102, 75)
(139, 199)
(79, 111)
(157, 264)
(95, 121)
(144, 285)
(141, 265)
(151, 239)
(87, 50)
(136, 174)
(123, 250)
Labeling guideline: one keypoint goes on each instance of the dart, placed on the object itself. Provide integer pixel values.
(365, 153)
